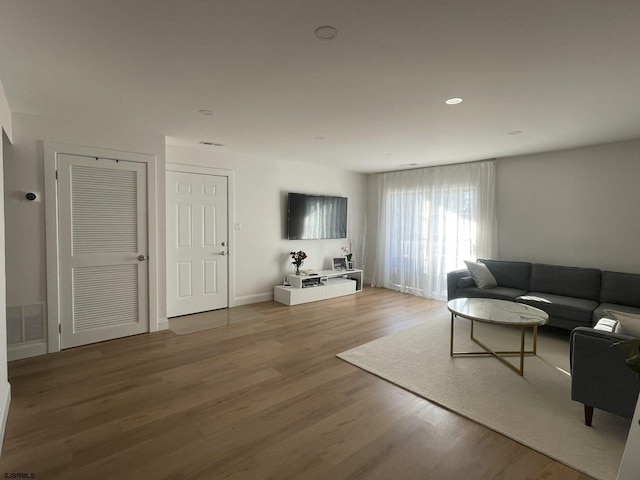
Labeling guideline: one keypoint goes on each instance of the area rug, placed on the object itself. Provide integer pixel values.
(535, 410)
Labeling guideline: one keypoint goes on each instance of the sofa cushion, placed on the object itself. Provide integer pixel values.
(501, 293)
(481, 275)
(620, 288)
(578, 310)
(628, 323)
(599, 312)
(509, 274)
(566, 281)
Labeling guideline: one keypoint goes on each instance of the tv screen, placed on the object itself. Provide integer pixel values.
(316, 216)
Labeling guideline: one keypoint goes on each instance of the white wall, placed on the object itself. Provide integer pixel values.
(25, 221)
(260, 251)
(5, 388)
(373, 202)
(577, 207)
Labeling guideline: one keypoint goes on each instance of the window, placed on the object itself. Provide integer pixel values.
(431, 220)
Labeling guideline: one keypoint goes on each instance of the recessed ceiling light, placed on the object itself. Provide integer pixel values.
(326, 32)
(388, 154)
(408, 164)
(205, 112)
(319, 138)
(211, 144)
(515, 132)
(453, 101)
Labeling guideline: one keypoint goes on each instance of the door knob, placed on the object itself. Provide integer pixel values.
(224, 252)
(141, 258)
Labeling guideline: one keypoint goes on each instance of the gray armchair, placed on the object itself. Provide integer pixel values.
(600, 378)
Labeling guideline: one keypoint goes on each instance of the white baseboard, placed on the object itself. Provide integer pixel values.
(18, 352)
(163, 324)
(5, 401)
(254, 298)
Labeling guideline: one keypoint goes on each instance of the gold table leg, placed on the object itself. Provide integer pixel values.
(499, 354)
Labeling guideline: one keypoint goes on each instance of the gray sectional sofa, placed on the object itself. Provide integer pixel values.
(572, 296)
(575, 299)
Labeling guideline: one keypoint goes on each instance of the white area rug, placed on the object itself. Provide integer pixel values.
(535, 410)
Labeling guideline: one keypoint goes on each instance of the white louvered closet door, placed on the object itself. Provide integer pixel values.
(103, 249)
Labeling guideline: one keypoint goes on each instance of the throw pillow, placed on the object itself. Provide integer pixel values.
(481, 275)
(628, 323)
(606, 325)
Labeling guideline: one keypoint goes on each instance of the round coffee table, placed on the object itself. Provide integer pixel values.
(502, 312)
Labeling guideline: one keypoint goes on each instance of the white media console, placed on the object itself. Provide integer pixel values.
(324, 284)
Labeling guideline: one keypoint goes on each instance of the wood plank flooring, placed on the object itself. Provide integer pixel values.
(260, 399)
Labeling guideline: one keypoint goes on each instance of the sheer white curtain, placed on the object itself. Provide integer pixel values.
(430, 221)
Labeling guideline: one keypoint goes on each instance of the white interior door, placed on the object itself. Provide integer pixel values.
(102, 249)
(197, 243)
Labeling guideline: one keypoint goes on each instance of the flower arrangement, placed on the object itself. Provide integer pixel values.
(298, 259)
(347, 253)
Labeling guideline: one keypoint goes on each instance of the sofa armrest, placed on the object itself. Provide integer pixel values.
(600, 377)
(452, 281)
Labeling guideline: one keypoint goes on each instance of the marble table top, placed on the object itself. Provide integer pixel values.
(489, 310)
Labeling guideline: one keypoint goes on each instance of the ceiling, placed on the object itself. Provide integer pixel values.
(564, 73)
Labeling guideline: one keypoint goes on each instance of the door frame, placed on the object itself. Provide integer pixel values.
(231, 247)
(51, 152)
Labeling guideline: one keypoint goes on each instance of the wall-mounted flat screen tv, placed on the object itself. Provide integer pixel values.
(316, 216)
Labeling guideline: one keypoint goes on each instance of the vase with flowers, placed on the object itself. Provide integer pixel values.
(298, 259)
(347, 253)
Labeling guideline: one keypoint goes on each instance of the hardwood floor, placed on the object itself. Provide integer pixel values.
(259, 399)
